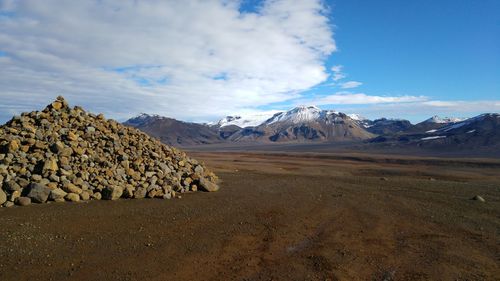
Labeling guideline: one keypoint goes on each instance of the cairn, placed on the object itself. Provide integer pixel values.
(66, 154)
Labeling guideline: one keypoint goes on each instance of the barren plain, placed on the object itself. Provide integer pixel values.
(277, 216)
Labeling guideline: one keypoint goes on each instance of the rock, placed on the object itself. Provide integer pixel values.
(140, 193)
(38, 193)
(50, 165)
(84, 196)
(478, 198)
(57, 105)
(199, 170)
(112, 192)
(8, 204)
(208, 185)
(23, 201)
(72, 197)
(11, 186)
(128, 192)
(3, 196)
(72, 136)
(57, 194)
(71, 188)
(96, 196)
(14, 195)
(13, 146)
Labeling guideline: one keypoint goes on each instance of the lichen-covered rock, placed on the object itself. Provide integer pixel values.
(68, 151)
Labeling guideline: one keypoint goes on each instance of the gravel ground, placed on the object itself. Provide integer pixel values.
(276, 217)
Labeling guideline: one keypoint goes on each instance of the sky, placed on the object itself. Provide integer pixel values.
(200, 60)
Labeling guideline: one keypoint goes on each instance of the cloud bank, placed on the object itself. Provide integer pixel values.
(187, 59)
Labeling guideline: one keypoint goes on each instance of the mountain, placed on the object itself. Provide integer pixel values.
(479, 132)
(174, 132)
(446, 120)
(304, 123)
(432, 124)
(482, 130)
(384, 126)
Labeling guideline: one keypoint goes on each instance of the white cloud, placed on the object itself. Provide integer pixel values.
(185, 59)
(337, 72)
(361, 98)
(421, 110)
(350, 84)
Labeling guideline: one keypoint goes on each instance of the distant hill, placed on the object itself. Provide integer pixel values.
(174, 132)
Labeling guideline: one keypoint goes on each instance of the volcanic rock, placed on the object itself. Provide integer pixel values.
(64, 153)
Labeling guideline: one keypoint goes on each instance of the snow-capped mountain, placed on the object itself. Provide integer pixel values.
(141, 119)
(483, 122)
(304, 123)
(480, 132)
(297, 115)
(432, 124)
(445, 120)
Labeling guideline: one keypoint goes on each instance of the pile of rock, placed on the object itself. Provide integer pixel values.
(66, 154)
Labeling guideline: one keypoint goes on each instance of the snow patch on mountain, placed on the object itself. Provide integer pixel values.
(247, 120)
(433, 138)
(357, 117)
(445, 120)
(300, 114)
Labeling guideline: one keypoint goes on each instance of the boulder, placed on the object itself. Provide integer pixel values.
(208, 185)
(23, 201)
(38, 193)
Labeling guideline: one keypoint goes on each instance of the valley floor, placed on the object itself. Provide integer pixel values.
(276, 217)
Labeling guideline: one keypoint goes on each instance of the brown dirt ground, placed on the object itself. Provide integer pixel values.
(276, 217)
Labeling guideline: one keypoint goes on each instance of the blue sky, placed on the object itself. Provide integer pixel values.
(200, 60)
(446, 50)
